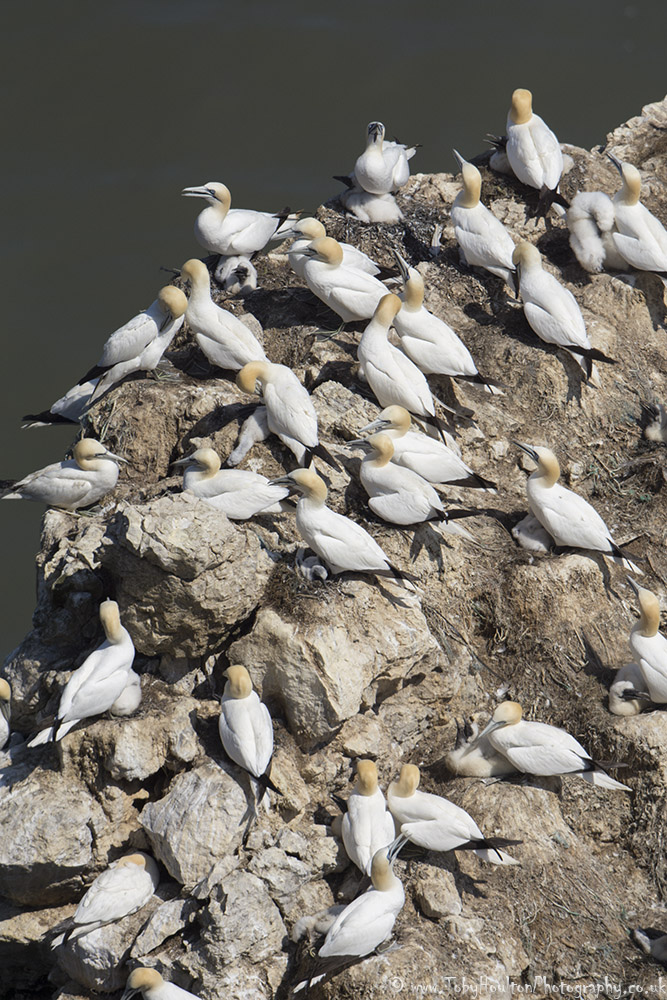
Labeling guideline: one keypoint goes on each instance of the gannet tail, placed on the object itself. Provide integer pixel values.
(322, 453)
(602, 780)
(623, 560)
(46, 736)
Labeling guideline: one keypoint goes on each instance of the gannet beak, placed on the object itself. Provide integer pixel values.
(5, 710)
(198, 192)
(129, 993)
(634, 586)
(358, 443)
(528, 450)
(403, 266)
(165, 322)
(378, 424)
(114, 458)
(283, 481)
(459, 159)
(485, 732)
(394, 848)
(375, 129)
(617, 163)
(183, 461)
(307, 252)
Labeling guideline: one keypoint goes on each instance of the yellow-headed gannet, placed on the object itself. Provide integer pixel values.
(367, 826)
(474, 757)
(123, 888)
(224, 339)
(309, 229)
(483, 239)
(351, 293)
(383, 166)
(533, 151)
(551, 309)
(438, 824)
(591, 220)
(427, 339)
(363, 925)
(641, 238)
(371, 208)
(540, 749)
(129, 699)
(649, 645)
(233, 231)
(628, 694)
(245, 726)
(98, 682)
(76, 482)
(152, 986)
(570, 520)
(5, 711)
(236, 492)
(343, 544)
(67, 410)
(289, 409)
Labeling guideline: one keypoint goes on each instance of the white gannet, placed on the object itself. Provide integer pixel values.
(343, 544)
(483, 239)
(129, 699)
(237, 275)
(628, 694)
(5, 711)
(654, 422)
(436, 823)
(363, 925)
(649, 645)
(67, 410)
(351, 293)
(98, 682)
(367, 826)
(540, 749)
(383, 166)
(224, 339)
(551, 309)
(236, 492)
(432, 460)
(309, 229)
(371, 208)
(533, 151)
(123, 888)
(570, 520)
(289, 409)
(641, 238)
(253, 429)
(152, 986)
(591, 220)
(140, 343)
(76, 482)
(245, 726)
(427, 340)
(474, 757)
(233, 231)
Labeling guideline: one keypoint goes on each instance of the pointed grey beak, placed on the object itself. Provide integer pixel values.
(358, 443)
(283, 481)
(459, 159)
(633, 585)
(308, 252)
(485, 732)
(198, 192)
(528, 450)
(183, 461)
(617, 163)
(395, 847)
(129, 993)
(376, 425)
(5, 710)
(114, 458)
(403, 266)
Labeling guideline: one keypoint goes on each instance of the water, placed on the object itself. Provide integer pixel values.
(111, 109)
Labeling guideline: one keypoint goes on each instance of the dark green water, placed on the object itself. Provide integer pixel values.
(110, 109)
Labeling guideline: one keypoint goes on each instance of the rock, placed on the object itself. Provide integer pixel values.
(25, 951)
(240, 921)
(168, 919)
(436, 895)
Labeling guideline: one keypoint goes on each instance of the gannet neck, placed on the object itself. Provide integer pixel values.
(143, 979)
(328, 250)
(382, 875)
(309, 483)
(386, 310)
(508, 713)
(89, 454)
(312, 228)
(522, 107)
(413, 291)
(172, 300)
(548, 469)
(526, 256)
(221, 196)
(632, 184)
(196, 272)
(367, 777)
(132, 859)
(209, 461)
(375, 136)
(649, 622)
(382, 444)
(408, 782)
(401, 420)
(5, 690)
(110, 618)
(472, 185)
(238, 683)
(250, 374)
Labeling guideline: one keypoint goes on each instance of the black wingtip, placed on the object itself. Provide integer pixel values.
(321, 452)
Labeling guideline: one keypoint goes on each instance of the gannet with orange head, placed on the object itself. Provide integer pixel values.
(98, 682)
(351, 293)
(84, 479)
(570, 520)
(5, 711)
(641, 238)
(483, 239)
(539, 749)
(152, 986)
(229, 231)
(383, 166)
(238, 493)
(245, 726)
(533, 151)
(123, 888)
(289, 409)
(649, 645)
(367, 826)
(309, 229)
(436, 823)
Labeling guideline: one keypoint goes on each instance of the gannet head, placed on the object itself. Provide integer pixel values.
(386, 310)
(306, 482)
(172, 300)
(131, 859)
(110, 618)
(508, 713)
(206, 460)
(413, 283)
(312, 228)
(522, 107)
(325, 249)
(408, 782)
(382, 875)
(472, 183)
(375, 133)
(214, 192)
(632, 182)
(88, 453)
(251, 374)
(548, 469)
(5, 690)
(196, 272)
(140, 980)
(238, 683)
(367, 777)
(383, 445)
(649, 606)
(526, 256)
(392, 418)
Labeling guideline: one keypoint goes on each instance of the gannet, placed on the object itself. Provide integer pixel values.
(224, 339)
(371, 208)
(430, 459)
(570, 520)
(123, 888)
(245, 726)
(343, 544)
(436, 823)
(628, 694)
(641, 238)
(233, 231)
(237, 275)
(533, 151)
(5, 711)
(654, 421)
(309, 229)
(366, 826)
(591, 220)
(152, 986)
(351, 293)
(76, 482)
(67, 410)
(383, 166)
(140, 343)
(483, 239)
(237, 493)
(289, 409)
(474, 757)
(649, 646)
(129, 699)
(253, 429)
(98, 682)
(427, 340)
(364, 923)
(540, 749)
(551, 309)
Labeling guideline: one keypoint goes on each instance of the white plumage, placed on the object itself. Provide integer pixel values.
(383, 166)
(641, 238)
(371, 208)
(152, 986)
(245, 726)
(237, 493)
(483, 239)
(232, 231)
(67, 410)
(129, 699)
(351, 293)
(367, 826)
(309, 229)
(649, 646)
(73, 483)
(533, 150)
(591, 220)
(628, 694)
(125, 886)
(5, 711)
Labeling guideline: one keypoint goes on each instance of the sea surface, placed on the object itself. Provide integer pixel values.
(110, 109)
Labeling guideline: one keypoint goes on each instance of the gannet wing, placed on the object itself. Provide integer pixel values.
(550, 328)
(114, 894)
(401, 508)
(643, 254)
(482, 250)
(130, 340)
(545, 760)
